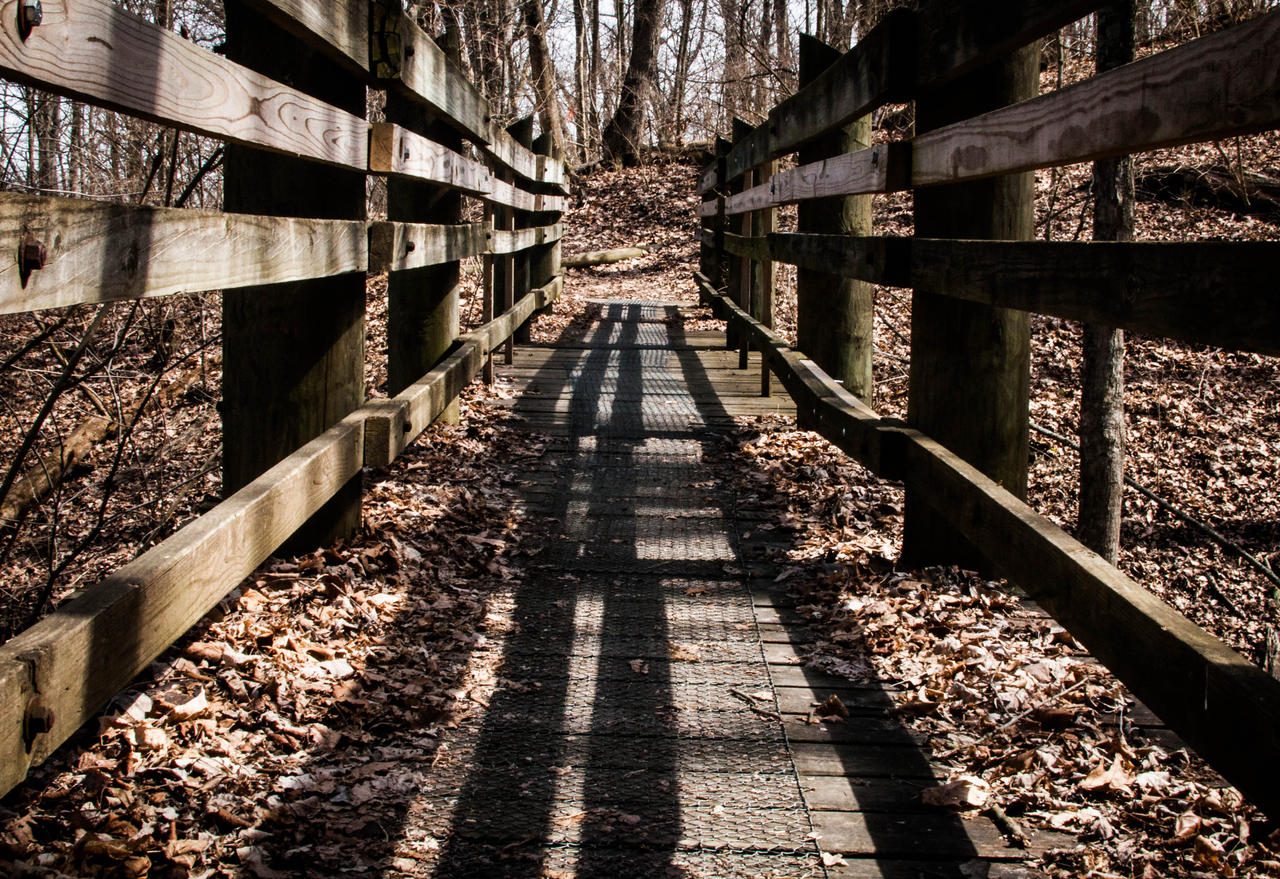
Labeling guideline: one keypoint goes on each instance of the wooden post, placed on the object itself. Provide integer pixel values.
(422, 304)
(970, 363)
(766, 222)
(522, 133)
(738, 273)
(721, 277)
(835, 316)
(490, 280)
(293, 354)
(544, 260)
(746, 273)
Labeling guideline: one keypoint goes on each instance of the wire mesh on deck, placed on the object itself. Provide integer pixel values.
(625, 737)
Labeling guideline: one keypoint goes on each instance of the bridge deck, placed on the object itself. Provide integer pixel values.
(649, 719)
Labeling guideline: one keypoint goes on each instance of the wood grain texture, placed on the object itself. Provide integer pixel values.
(508, 195)
(406, 58)
(93, 51)
(516, 240)
(339, 27)
(78, 657)
(955, 38)
(1224, 706)
(874, 72)
(1224, 84)
(1216, 293)
(711, 207)
(878, 260)
(397, 150)
(99, 252)
(754, 247)
(881, 168)
(397, 246)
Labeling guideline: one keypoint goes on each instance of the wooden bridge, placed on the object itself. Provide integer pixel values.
(661, 765)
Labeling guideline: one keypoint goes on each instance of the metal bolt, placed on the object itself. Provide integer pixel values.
(32, 255)
(410, 247)
(30, 14)
(38, 720)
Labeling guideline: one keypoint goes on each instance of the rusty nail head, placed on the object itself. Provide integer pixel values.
(32, 255)
(410, 247)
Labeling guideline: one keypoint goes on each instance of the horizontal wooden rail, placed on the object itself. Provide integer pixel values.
(398, 151)
(1156, 288)
(1224, 706)
(516, 240)
(339, 28)
(902, 56)
(392, 424)
(98, 251)
(93, 51)
(881, 168)
(405, 57)
(73, 661)
(399, 246)
(1214, 87)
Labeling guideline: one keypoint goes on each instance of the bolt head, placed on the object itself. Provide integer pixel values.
(32, 255)
(38, 720)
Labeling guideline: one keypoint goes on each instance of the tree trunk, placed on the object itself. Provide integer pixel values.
(622, 134)
(835, 316)
(1102, 367)
(735, 60)
(970, 363)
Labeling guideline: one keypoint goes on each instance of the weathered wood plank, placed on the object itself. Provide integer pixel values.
(405, 57)
(751, 247)
(1224, 706)
(1224, 84)
(1213, 292)
(98, 252)
(339, 27)
(78, 657)
(881, 168)
(400, 246)
(93, 51)
(390, 425)
(749, 151)
(397, 150)
(711, 207)
(937, 834)
(879, 260)
(516, 240)
(508, 195)
(955, 38)
(874, 72)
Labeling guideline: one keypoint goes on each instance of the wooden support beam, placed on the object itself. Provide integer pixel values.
(953, 39)
(400, 246)
(406, 58)
(877, 260)
(94, 51)
(874, 72)
(338, 27)
(835, 315)
(1214, 87)
(396, 150)
(99, 252)
(517, 240)
(970, 363)
(74, 660)
(1213, 292)
(293, 355)
(879, 168)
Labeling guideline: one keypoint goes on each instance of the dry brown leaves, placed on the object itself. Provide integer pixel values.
(294, 720)
(1013, 709)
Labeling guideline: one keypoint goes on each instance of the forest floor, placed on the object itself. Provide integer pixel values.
(305, 689)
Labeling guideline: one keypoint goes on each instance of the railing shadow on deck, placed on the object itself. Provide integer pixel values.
(578, 724)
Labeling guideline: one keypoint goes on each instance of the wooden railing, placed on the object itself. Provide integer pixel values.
(1215, 293)
(57, 674)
